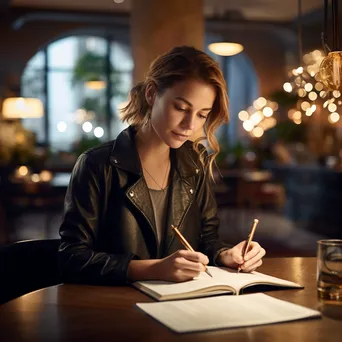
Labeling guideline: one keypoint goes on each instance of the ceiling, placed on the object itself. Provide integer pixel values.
(273, 10)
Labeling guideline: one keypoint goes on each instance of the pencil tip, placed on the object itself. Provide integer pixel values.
(209, 274)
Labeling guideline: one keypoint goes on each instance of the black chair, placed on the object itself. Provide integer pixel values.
(26, 266)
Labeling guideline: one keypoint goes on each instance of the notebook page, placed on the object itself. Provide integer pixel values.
(216, 312)
(239, 280)
(164, 288)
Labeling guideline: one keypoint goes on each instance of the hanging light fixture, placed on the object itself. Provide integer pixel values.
(225, 48)
(96, 85)
(331, 66)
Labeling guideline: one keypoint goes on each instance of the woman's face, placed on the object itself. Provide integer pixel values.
(181, 111)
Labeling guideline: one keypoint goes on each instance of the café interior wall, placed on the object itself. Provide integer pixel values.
(17, 47)
(266, 49)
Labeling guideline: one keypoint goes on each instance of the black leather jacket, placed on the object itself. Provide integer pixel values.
(109, 216)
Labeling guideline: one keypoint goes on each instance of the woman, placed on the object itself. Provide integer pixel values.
(124, 195)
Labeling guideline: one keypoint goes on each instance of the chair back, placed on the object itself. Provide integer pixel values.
(26, 266)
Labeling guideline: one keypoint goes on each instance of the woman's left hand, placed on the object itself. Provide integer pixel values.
(233, 257)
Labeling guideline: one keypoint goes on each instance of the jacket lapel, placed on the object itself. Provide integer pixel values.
(139, 195)
(182, 192)
(125, 156)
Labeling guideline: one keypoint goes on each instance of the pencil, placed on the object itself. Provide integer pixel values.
(249, 240)
(187, 245)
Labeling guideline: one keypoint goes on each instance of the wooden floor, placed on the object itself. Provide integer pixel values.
(278, 235)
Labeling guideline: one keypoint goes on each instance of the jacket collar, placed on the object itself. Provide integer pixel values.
(124, 155)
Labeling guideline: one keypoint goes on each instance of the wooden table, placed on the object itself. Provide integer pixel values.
(89, 313)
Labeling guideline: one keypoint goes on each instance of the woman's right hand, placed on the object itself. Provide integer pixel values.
(180, 266)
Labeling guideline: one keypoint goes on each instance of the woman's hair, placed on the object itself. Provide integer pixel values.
(180, 64)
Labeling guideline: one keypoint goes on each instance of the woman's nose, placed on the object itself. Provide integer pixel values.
(189, 122)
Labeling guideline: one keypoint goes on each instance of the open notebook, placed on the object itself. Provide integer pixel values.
(184, 316)
(224, 280)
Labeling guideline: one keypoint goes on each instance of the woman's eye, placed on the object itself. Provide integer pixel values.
(180, 109)
(202, 116)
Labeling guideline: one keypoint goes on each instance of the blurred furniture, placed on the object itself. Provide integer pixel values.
(250, 189)
(27, 266)
(79, 313)
(45, 198)
(313, 198)
(4, 236)
(225, 190)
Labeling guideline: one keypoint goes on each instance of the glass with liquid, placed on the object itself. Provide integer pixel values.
(329, 269)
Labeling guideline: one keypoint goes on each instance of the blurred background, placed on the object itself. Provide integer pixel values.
(66, 68)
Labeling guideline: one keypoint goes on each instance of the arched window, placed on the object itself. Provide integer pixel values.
(82, 80)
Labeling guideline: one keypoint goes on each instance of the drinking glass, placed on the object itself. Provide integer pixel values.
(329, 269)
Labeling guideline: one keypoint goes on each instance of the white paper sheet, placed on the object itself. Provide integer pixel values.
(224, 312)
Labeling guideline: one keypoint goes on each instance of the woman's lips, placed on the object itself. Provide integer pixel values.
(180, 137)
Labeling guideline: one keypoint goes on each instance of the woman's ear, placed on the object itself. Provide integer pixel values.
(150, 93)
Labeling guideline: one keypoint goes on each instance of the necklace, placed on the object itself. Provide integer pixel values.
(162, 188)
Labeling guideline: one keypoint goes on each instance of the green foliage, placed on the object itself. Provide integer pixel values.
(234, 152)
(94, 105)
(85, 143)
(284, 99)
(287, 131)
(89, 67)
(238, 150)
(92, 67)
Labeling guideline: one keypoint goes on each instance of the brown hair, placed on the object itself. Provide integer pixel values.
(179, 64)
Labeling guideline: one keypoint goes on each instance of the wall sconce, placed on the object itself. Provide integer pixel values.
(331, 66)
(22, 108)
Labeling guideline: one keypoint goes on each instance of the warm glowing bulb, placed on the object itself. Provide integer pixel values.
(332, 107)
(331, 70)
(305, 105)
(256, 117)
(287, 87)
(243, 115)
(35, 178)
(319, 86)
(301, 92)
(312, 96)
(260, 103)
(258, 132)
(248, 125)
(23, 170)
(308, 87)
(297, 115)
(268, 111)
(336, 93)
(45, 176)
(334, 117)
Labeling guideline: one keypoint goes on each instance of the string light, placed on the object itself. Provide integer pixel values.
(259, 118)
